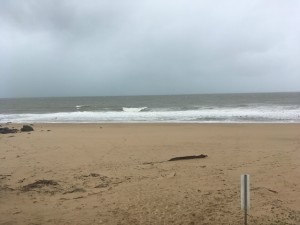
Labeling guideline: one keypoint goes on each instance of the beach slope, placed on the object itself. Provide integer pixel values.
(120, 174)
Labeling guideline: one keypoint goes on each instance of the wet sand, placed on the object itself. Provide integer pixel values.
(119, 174)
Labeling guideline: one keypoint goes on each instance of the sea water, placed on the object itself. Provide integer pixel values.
(202, 108)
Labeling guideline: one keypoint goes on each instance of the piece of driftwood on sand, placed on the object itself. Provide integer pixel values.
(180, 158)
(188, 157)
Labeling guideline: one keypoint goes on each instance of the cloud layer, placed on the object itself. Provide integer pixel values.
(80, 48)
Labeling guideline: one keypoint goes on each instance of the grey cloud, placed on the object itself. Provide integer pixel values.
(57, 48)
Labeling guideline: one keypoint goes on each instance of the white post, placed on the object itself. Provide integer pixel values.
(245, 194)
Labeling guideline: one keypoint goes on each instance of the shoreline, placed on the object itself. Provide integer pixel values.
(147, 123)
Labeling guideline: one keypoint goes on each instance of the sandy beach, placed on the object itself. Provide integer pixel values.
(120, 174)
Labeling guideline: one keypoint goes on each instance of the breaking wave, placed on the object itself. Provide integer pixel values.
(202, 115)
(134, 109)
(81, 106)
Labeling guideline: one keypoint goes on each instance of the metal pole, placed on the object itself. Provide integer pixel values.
(245, 197)
(245, 216)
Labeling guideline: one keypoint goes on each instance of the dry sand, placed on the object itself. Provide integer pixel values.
(119, 174)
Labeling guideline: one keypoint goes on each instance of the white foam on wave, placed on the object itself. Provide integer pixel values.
(80, 106)
(125, 109)
(258, 114)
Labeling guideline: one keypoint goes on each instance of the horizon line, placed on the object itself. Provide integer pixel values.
(144, 95)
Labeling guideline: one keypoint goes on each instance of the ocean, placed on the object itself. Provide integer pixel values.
(202, 108)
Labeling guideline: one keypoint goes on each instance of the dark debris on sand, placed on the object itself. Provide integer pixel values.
(188, 157)
(6, 130)
(39, 184)
(26, 128)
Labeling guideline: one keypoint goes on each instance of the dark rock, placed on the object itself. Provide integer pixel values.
(188, 157)
(26, 128)
(6, 130)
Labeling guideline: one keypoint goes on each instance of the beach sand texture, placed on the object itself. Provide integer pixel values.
(119, 174)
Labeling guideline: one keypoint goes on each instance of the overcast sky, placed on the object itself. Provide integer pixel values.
(133, 47)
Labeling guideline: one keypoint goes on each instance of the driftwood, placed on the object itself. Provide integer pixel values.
(179, 158)
(276, 192)
(188, 157)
